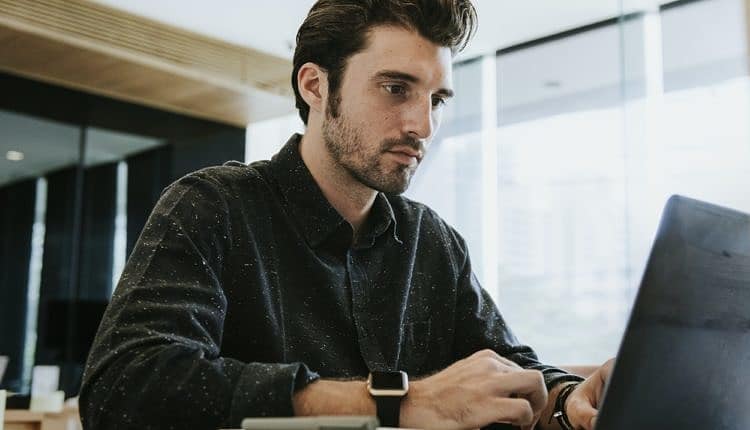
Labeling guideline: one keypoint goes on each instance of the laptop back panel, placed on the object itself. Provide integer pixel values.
(684, 362)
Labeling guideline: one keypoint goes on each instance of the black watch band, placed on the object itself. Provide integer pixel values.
(389, 410)
(387, 388)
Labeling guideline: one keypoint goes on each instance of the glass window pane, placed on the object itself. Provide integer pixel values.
(576, 72)
(30, 149)
(703, 42)
(564, 280)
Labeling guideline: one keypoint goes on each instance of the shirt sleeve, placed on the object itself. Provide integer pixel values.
(155, 362)
(479, 325)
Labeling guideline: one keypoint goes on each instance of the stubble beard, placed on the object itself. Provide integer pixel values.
(344, 142)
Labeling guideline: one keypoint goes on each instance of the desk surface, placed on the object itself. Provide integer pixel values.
(23, 416)
(18, 419)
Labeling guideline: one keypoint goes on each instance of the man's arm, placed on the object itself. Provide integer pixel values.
(326, 397)
(479, 325)
(462, 396)
(481, 389)
(156, 359)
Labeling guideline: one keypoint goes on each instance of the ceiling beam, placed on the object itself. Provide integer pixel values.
(105, 51)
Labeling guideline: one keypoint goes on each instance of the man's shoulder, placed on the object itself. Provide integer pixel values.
(230, 175)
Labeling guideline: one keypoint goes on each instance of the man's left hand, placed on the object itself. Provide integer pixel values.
(582, 406)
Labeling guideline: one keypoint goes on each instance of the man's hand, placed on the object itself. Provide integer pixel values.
(583, 403)
(481, 389)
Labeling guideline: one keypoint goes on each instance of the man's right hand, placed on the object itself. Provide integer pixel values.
(481, 389)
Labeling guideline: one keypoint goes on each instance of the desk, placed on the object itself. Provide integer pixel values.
(16, 419)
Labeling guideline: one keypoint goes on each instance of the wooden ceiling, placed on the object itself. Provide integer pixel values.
(94, 48)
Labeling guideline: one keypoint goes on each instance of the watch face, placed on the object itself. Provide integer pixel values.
(388, 380)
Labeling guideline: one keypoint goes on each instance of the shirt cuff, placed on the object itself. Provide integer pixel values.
(266, 390)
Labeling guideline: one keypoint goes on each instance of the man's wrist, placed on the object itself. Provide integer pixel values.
(406, 416)
(547, 421)
(560, 411)
(388, 389)
(418, 408)
(326, 397)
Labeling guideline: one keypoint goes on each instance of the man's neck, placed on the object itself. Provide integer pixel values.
(348, 196)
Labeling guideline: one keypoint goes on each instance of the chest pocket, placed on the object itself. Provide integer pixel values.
(415, 347)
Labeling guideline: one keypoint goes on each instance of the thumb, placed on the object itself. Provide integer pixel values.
(581, 414)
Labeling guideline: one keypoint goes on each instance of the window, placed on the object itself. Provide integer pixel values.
(595, 128)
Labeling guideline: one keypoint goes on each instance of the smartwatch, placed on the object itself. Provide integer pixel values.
(388, 388)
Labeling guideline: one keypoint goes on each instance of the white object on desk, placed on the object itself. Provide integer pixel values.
(341, 422)
(45, 380)
(51, 402)
(3, 365)
(3, 394)
(44, 394)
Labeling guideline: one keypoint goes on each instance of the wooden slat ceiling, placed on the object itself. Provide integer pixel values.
(95, 48)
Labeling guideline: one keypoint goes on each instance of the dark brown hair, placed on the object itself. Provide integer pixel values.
(334, 30)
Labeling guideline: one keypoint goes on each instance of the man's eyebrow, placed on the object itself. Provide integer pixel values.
(401, 76)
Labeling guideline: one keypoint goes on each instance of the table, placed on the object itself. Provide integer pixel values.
(18, 419)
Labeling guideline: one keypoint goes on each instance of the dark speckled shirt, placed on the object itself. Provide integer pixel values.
(246, 285)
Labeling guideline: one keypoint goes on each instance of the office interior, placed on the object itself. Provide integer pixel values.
(573, 122)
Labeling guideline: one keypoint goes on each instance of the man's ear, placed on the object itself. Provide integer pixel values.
(312, 82)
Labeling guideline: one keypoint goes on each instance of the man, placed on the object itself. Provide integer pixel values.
(275, 289)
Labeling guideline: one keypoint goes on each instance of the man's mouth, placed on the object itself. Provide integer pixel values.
(406, 155)
(404, 159)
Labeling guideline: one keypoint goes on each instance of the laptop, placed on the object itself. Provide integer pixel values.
(684, 362)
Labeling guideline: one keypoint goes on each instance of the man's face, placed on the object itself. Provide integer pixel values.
(388, 108)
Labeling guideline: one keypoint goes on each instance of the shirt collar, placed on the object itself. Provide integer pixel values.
(312, 211)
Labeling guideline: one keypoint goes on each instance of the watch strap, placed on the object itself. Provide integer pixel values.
(389, 410)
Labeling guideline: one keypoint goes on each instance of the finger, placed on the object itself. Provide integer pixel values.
(527, 384)
(607, 369)
(517, 412)
(533, 424)
(499, 410)
(581, 411)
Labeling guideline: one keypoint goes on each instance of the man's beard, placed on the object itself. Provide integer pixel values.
(344, 142)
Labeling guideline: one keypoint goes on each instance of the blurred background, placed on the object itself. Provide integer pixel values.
(573, 123)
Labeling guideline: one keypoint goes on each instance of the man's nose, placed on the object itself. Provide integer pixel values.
(419, 122)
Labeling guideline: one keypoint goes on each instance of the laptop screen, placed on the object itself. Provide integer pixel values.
(683, 362)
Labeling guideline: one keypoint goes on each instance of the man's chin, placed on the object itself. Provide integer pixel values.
(395, 187)
(392, 182)
(387, 187)
(402, 184)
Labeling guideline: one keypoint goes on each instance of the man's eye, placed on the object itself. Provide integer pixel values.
(395, 89)
(438, 102)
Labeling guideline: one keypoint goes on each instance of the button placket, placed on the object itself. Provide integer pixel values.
(367, 342)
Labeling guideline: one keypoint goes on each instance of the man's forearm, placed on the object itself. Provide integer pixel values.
(326, 397)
